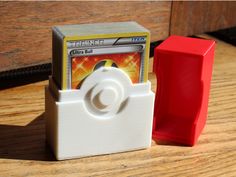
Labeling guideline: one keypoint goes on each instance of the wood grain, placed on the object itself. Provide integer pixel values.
(25, 27)
(23, 151)
(188, 18)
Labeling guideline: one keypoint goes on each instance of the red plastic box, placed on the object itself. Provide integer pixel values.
(183, 67)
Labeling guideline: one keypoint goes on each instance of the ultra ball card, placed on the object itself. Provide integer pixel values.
(79, 50)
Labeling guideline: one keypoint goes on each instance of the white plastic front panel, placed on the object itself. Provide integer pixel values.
(80, 127)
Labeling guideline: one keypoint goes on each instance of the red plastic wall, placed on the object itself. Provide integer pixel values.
(183, 73)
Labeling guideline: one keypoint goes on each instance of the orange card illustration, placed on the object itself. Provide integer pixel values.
(83, 66)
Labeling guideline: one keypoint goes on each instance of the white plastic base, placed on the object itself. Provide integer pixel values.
(108, 114)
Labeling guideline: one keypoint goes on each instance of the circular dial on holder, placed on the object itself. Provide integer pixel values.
(105, 91)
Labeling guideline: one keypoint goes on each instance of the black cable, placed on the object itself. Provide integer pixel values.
(227, 35)
(22, 72)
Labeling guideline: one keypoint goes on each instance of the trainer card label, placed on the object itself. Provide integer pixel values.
(83, 66)
(85, 56)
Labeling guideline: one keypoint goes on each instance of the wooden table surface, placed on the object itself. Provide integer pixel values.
(23, 151)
